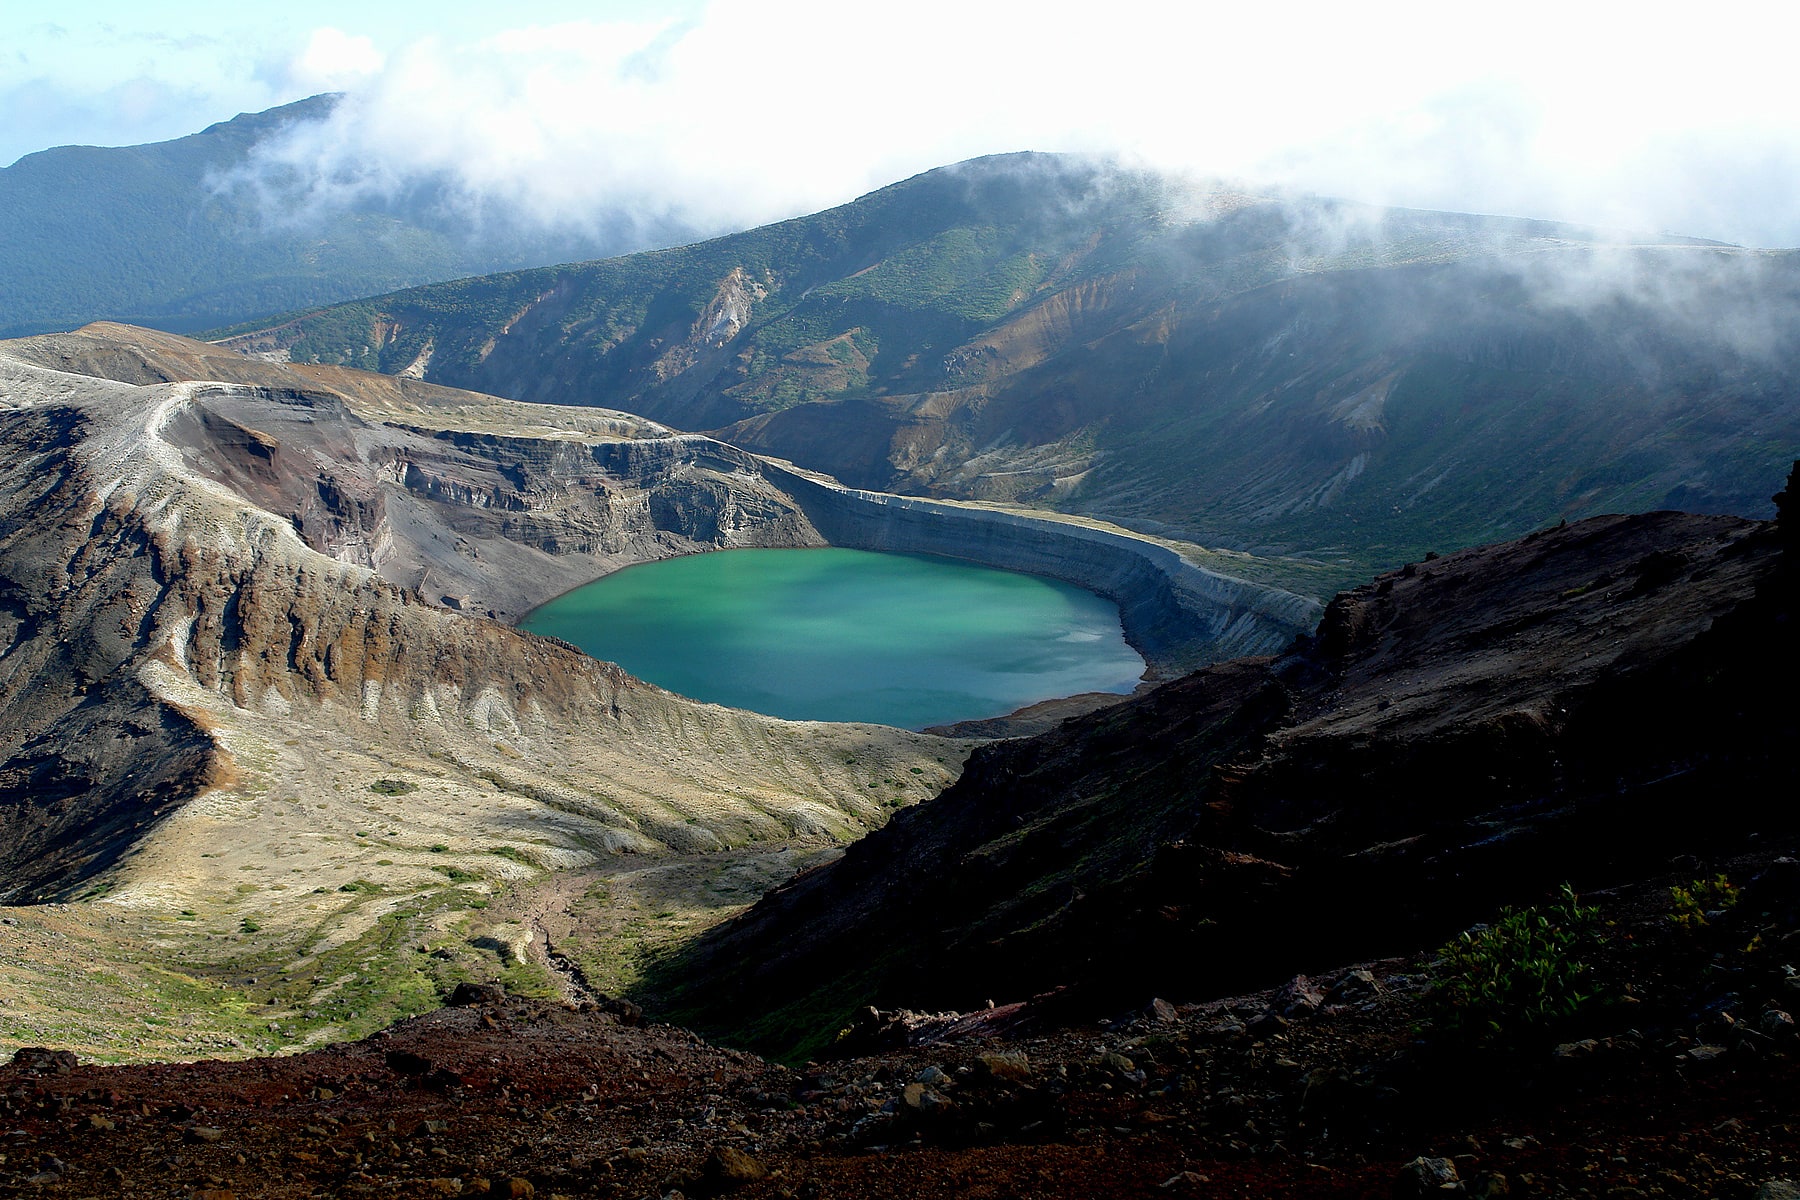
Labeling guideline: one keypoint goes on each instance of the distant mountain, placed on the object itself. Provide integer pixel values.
(1274, 373)
(143, 233)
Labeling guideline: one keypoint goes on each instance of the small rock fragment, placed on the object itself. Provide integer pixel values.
(1298, 997)
(624, 1011)
(45, 1060)
(921, 1098)
(1356, 985)
(405, 1062)
(1009, 1065)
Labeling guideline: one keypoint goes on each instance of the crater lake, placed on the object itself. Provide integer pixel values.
(848, 635)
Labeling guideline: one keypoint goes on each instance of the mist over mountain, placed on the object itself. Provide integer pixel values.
(1258, 371)
(182, 234)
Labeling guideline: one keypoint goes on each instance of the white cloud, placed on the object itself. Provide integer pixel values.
(334, 60)
(758, 109)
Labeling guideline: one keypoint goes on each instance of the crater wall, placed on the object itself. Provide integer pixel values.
(1177, 615)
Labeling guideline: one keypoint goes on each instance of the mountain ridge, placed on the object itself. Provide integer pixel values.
(191, 232)
(1060, 333)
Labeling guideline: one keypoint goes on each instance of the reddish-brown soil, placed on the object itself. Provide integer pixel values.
(1225, 1098)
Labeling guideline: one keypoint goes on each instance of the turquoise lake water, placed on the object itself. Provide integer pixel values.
(848, 635)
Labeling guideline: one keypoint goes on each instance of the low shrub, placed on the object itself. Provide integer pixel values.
(1521, 978)
(1694, 902)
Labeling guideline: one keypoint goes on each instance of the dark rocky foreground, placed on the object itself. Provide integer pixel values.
(1685, 1084)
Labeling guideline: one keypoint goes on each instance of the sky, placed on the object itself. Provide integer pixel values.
(721, 114)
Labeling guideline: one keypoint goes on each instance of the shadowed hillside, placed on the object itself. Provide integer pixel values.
(1586, 704)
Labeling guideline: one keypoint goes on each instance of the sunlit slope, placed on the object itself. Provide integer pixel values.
(253, 723)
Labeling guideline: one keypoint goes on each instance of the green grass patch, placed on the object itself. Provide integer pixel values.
(455, 874)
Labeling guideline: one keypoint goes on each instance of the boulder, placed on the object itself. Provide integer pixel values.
(1354, 987)
(1008, 1066)
(45, 1060)
(1298, 997)
(728, 1168)
(469, 994)
(405, 1062)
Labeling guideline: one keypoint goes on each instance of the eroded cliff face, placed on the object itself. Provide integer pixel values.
(195, 573)
(484, 522)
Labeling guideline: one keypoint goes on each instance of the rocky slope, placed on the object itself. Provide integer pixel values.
(1247, 371)
(1583, 704)
(1682, 1093)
